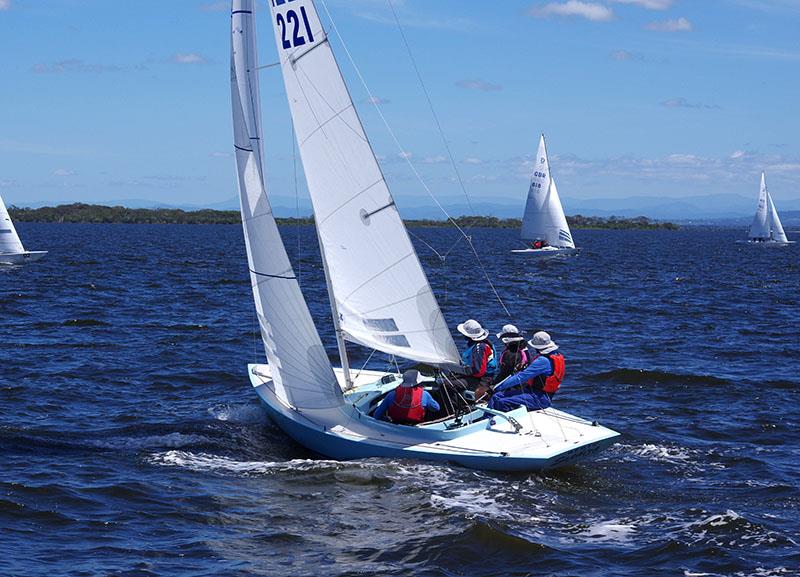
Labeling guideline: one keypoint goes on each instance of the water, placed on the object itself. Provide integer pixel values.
(132, 445)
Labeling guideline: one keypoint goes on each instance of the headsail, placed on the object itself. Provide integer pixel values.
(544, 216)
(301, 370)
(9, 239)
(382, 295)
(761, 223)
(778, 234)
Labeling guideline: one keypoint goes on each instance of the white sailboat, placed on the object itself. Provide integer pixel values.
(766, 229)
(544, 225)
(11, 249)
(379, 294)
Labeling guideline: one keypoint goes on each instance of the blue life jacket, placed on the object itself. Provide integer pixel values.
(468, 354)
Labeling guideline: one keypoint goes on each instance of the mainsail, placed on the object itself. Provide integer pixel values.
(778, 234)
(382, 296)
(761, 223)
(301, 371)
(9, 239)
(544, 216)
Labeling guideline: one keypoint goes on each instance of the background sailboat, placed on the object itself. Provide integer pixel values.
(544, 221)
(380, 296)
(766, 227)
(11, 249)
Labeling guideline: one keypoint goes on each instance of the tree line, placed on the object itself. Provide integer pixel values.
(93, 213)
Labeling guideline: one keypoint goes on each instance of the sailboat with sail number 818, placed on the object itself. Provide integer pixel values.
(379, 294)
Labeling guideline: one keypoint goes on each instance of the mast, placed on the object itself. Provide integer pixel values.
(340, 342)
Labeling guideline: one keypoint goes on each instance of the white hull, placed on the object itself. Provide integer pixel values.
(765, 242)
(22, 257)
(547, 251)
(545, 439)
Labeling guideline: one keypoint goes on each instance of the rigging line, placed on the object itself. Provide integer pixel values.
(430, 105)
(407, 158)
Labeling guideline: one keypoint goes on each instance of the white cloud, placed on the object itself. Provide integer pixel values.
(648, 4)
(405, 155)
(215, 6)
(472, 160)
(63, 172)
(188, 58)
(74, 65)
(478, 84)
(439, 159)
(5, 5)
(625, 56)
(738, 155)
(377, 100)
(676, 25)
(220, 155)
(588, 10)
(681, 102)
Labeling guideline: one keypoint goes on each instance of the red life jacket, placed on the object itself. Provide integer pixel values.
(407, 406)
(551, 384)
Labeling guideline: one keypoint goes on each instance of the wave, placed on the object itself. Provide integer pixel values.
(245, 414)
(84, 323)
(647, 377)
(206, 462)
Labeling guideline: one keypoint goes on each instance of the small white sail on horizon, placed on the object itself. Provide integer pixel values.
(544, 217)
(9, 239)
(301, 371)
(767, 225)
(11, 249)
(382, 297)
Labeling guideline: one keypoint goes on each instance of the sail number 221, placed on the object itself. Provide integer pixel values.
(289, 22)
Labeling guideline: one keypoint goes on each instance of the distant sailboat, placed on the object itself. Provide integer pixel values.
(544, 225)
(379, 295)
(11, 249)
(766, 228)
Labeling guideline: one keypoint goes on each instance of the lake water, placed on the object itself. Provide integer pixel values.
(131, 442)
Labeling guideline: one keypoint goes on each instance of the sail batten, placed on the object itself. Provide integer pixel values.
(544, 217)
(382, 296)
(302, 375)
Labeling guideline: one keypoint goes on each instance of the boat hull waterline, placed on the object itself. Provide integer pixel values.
(547, 251)
(22, 257)
(547, 440)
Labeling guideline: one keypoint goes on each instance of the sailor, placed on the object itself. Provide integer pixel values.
(535, 386)
(515, 357)
(479, 361)
(408, 403)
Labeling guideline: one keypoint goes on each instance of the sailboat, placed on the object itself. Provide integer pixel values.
(544, 225)
(766, 229)
(11, 249)
(379, 294)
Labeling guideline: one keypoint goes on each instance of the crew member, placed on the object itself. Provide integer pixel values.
(478, 361)
(408, 403)
(535, 386)
(515, 357)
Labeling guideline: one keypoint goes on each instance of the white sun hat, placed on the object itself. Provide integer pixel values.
(542, 342)
(510, 334)
(472, 329)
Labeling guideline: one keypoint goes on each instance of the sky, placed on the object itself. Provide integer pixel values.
(121, 101)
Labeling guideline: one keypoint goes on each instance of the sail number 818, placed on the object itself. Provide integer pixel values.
(290, 19)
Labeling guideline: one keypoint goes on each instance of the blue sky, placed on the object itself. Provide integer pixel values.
(107, 101)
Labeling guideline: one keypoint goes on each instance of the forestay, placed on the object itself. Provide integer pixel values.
(382, 296)
(544, 216)
(302, 374)
(9, 239)
(761, 223)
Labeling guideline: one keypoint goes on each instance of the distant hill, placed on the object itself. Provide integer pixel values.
(93, 213)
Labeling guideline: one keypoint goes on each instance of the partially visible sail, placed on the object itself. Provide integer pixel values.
(9, 239)
(778, 233)
(302, 373)
(544, 216)
(761, 223)
(382, 295)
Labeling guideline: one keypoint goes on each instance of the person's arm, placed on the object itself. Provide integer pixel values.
(540, 366)
(429, 402)
(384, 406)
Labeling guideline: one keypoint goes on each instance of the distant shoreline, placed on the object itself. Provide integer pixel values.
(98, 214)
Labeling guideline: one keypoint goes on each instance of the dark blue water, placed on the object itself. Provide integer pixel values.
(131, 443)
